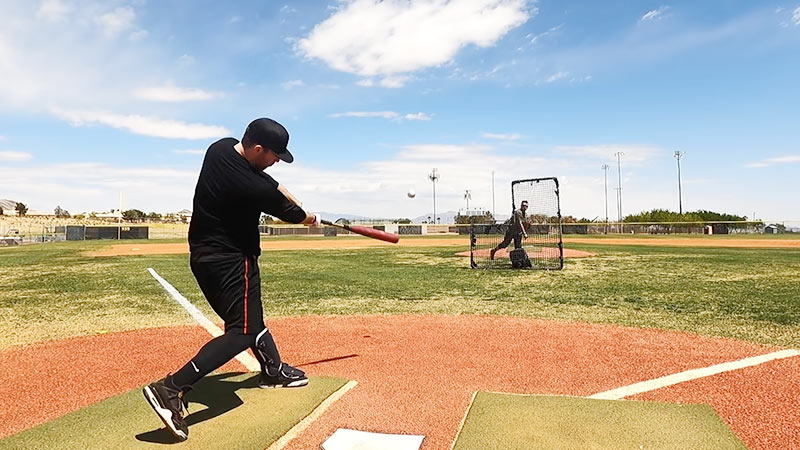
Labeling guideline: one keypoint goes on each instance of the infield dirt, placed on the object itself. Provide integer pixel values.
(416, 374)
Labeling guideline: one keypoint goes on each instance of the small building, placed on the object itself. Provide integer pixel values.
(39, 214)
(114, 214)
(771, 229)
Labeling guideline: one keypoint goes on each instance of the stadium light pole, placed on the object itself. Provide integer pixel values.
(467, 196)
(619, 184)
(605, 188)
(678, 156)
(494, 215)
(434, 175)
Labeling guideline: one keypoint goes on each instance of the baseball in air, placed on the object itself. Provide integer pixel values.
(411, 193)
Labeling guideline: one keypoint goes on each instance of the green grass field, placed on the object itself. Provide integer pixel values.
(51, 291)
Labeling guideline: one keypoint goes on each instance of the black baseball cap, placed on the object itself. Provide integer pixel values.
(270, 134)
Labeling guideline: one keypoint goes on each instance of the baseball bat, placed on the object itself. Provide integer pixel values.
(368, 232)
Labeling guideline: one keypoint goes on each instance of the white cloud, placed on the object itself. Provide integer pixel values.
(775, 161)
(13, 156)
(394, 82)
(380, 186)
(185, 60)
(631, 154)
(391, 115)
(147, 126)
(656, 14)
(371, 37)
(189, 152)
(556, 77)
(502, 137)
(138, 35)
(417, 116)
(292, 84)
(796, 16)
(375, 188)
(53, 11)
(58, 52)
(536, 38)
(114, 22)
(80, 187)
(174, 94)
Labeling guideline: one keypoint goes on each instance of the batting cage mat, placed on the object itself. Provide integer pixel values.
(542, 249)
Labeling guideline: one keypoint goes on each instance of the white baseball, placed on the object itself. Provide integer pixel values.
(411, 193)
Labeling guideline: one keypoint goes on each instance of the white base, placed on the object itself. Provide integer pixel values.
(344, 439)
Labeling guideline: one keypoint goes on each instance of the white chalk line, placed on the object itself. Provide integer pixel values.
(312, 417)
(245, 358)
(613, 394)
(693, 374)
(657, 383)
(253, 365)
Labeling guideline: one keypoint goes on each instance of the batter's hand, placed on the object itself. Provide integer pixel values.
(317, 221)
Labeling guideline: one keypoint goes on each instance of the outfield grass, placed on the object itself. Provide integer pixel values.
(52, 291)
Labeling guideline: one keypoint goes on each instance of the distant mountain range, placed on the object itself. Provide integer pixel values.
(444, 217)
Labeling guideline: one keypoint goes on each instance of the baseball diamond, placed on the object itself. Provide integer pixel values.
(372, 372)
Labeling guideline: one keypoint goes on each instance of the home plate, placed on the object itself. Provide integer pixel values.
(344, 439)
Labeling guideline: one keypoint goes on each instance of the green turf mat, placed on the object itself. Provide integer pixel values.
(238, 415)
(507, 422)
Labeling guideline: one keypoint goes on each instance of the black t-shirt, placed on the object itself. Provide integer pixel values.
(228, 201)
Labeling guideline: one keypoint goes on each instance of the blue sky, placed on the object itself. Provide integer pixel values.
(120, 98)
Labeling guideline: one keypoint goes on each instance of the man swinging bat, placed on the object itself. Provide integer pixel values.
(232, 191)
(517, 229)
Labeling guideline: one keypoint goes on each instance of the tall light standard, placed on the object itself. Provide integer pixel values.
(605, 187)
(467, 197)
(494, 216)
(678, 156)
(619, 188)
(434, 175)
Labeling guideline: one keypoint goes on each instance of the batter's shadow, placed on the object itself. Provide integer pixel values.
(216, 393)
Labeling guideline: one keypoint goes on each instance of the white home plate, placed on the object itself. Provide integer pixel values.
(344, 439)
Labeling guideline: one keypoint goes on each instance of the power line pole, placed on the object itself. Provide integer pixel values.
(619, 184)
(434, 175)
(605, 187)
(678, 156)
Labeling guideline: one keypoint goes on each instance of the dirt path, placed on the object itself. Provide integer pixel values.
(416, 374)
(353, 243)
(283, 244)
(690, 242)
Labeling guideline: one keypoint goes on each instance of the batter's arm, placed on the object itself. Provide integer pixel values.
(311, 219)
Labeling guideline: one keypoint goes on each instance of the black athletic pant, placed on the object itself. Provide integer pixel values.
(511, 233)
(232, 285)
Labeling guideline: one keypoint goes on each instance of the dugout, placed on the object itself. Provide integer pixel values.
(120, 232)
(719, 228)
(409, 230)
